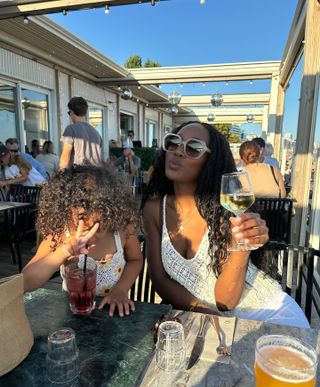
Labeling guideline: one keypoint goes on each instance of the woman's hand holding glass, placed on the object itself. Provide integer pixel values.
(237, 196)
(250, 228)
(117, 298)
(78, 243)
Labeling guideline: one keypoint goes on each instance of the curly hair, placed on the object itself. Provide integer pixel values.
(97, 190)
(207, 196)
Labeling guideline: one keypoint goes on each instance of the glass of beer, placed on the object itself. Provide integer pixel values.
(81, 275)
(284, 361)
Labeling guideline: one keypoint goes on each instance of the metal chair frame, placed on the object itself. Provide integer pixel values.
(296, 268)
(277, 213)
(20, 221)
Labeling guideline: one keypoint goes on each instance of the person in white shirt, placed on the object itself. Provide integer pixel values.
(49, 159)
(268, 159)
(16, 170)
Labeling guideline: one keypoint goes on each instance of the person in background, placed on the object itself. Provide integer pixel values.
(13, 146)
(86, 210)
(16, 170)
(48, 158)
(82, 144)
(128, 162)
(35, 148)
(188, 233)
(129, 141)
(266, 180)
(262, 144)
(268, 159)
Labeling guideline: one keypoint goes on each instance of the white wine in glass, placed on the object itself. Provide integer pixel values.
(237, 196)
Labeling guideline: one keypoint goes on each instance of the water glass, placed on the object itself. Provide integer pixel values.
(170, 347)
(284, 361)
(81, 284)
(62, 361)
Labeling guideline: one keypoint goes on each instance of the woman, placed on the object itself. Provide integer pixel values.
(49, 159)
(188, 233)
(16, 170)
(88, 210)
(266, 180)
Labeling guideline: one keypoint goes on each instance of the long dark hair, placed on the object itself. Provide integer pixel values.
(207, 195)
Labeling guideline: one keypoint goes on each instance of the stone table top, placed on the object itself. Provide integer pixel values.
(113, 350)
(239, 371)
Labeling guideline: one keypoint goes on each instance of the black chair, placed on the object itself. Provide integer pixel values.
(296, 269)
(277, 213)
(142, 289)
(20, 221)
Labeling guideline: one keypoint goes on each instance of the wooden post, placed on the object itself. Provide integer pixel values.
(273, 108)
(265, 117)
(306, 121)
(58, 102)
(279, 119)
(118, 119)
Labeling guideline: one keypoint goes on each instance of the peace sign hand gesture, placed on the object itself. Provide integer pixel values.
(79, 243)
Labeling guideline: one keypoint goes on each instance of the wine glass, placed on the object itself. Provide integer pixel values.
(237, 196)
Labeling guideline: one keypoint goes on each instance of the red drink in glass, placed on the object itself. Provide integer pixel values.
(81, 285)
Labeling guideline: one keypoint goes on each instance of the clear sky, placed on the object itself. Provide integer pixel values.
(183, 32)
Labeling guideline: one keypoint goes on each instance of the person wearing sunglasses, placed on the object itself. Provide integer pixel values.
(188, 233)
(13, 145)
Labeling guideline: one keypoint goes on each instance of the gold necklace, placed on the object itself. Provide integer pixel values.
(182, 225)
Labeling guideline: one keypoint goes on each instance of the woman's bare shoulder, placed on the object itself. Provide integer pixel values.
(152, 205)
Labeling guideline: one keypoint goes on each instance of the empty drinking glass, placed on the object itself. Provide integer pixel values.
(62, 359)
(170, 348)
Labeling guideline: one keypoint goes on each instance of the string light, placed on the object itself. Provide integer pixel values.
(26, 20)
(202, 2)
(107, 10)
(64, 12)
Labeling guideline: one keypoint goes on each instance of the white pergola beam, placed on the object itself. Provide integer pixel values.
(200, 73)
(228, 99)
(222, 115)
(14, 9)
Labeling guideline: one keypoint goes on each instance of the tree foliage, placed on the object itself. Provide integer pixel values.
(133, 62)
(225, 129)
(151, 63)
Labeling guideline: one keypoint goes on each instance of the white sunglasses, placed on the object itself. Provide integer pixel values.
(193, 148)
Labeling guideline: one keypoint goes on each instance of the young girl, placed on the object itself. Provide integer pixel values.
(88, 210)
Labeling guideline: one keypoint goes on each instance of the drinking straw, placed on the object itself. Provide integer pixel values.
(84, 273)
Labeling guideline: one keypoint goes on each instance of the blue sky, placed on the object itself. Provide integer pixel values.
(183, 32)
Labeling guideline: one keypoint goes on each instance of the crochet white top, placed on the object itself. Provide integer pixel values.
(262, 296)
(109, 270)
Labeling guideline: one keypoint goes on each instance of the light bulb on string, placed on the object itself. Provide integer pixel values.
(107, 10)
